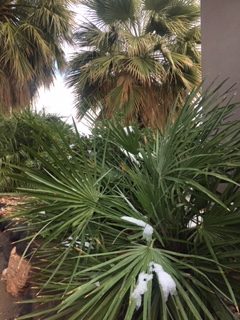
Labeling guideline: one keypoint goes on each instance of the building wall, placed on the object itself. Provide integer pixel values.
(221, 42)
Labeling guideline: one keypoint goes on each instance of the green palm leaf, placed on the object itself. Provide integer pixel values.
(183, 182)
(140, 56)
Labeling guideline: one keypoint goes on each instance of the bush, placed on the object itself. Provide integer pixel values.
(182, 185)
(17, 142)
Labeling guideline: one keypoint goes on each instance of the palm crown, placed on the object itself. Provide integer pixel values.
(31, 37)
(137, 56)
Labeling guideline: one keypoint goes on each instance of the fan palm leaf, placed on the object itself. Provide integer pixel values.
(152, 45)
(31, 38)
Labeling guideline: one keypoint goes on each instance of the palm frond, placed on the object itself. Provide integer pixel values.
(152, 45)
(31, 39)
(182, 182)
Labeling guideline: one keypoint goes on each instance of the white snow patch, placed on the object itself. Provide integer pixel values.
(88, 245)
(128, 129)
(195, 221)
(130, 156)
(165, 280)
(77, 243)
(147, 228)
(141, 288)
(147, 232)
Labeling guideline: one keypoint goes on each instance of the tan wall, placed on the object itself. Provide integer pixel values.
(221, 41)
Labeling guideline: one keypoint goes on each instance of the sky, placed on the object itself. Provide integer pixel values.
(59, 99)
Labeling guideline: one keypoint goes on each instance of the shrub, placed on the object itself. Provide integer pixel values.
(95, 212)
(17, 142)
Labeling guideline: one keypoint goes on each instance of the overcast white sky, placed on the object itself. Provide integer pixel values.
(59, 99)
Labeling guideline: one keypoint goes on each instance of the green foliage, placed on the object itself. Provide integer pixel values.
(18, 146)
(32, 34)
(136, 57)
(111, 11)
(184, 183)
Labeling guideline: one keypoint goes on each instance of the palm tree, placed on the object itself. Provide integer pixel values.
(136, 57)
(102, 218)
(31, 36)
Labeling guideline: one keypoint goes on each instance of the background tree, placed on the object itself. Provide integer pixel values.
(31, 38)
(137, 56)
